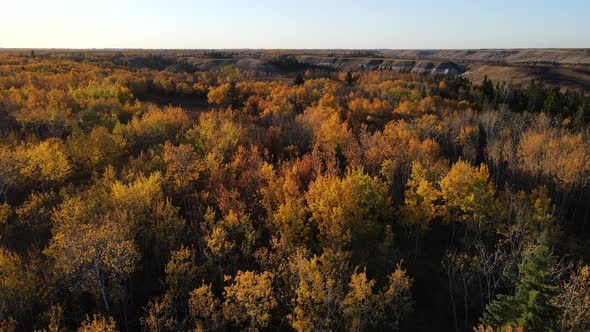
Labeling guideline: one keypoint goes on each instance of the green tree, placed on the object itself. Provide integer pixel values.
(349, 79)
(553, 102)
(531, 305)
(299, 80)
(232, 96)
(487, 88)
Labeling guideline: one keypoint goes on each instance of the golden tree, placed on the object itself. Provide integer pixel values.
(420, 201)
(204, 308)
(317, 298)
(45, 163)
(17, 285)
(468, 195)
(250, 299)
(349, 213)
(98, 323)
(93, 255)
(359, 304)
(395, 300)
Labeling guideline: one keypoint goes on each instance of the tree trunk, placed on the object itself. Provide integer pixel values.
(5, 242)
(101, 286)
(417, 244)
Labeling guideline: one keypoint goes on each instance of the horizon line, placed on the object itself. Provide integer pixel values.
(299, 49)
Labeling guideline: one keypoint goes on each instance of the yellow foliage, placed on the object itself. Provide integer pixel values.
(216, 134)
(359, 303)
(5, 211)
(563, 157)
(347, 210)
(406, 108)
(203, 307)
(98, 323)
(468, 193)
(250, 299)
(217, 95)
(395, 300)
(330, 135)
(17, 283)
(420, 202)
(46, 162)
(400, 143)
(183, 164)
(98, 150)
(155, 126)
(144, 191)
(180, 270)
(316, 298)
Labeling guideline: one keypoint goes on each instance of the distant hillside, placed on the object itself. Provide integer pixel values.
(572, 77)
(557, 56)
(564, 68)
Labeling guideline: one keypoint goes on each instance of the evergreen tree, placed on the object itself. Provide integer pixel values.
(487, 87)
(299, 80)
(232, 96)
(552, 104)
(536, 96)
(530, 306)
(349, 79)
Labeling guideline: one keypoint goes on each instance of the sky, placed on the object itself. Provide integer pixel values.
(301, 24)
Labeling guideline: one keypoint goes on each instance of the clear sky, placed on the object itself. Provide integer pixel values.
(294, 24)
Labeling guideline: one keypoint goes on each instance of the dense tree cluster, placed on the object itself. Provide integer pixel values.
(356, 201)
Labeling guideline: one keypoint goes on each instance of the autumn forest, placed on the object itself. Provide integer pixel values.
(136, 198)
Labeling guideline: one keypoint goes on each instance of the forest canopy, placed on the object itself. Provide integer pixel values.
(145, 199)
